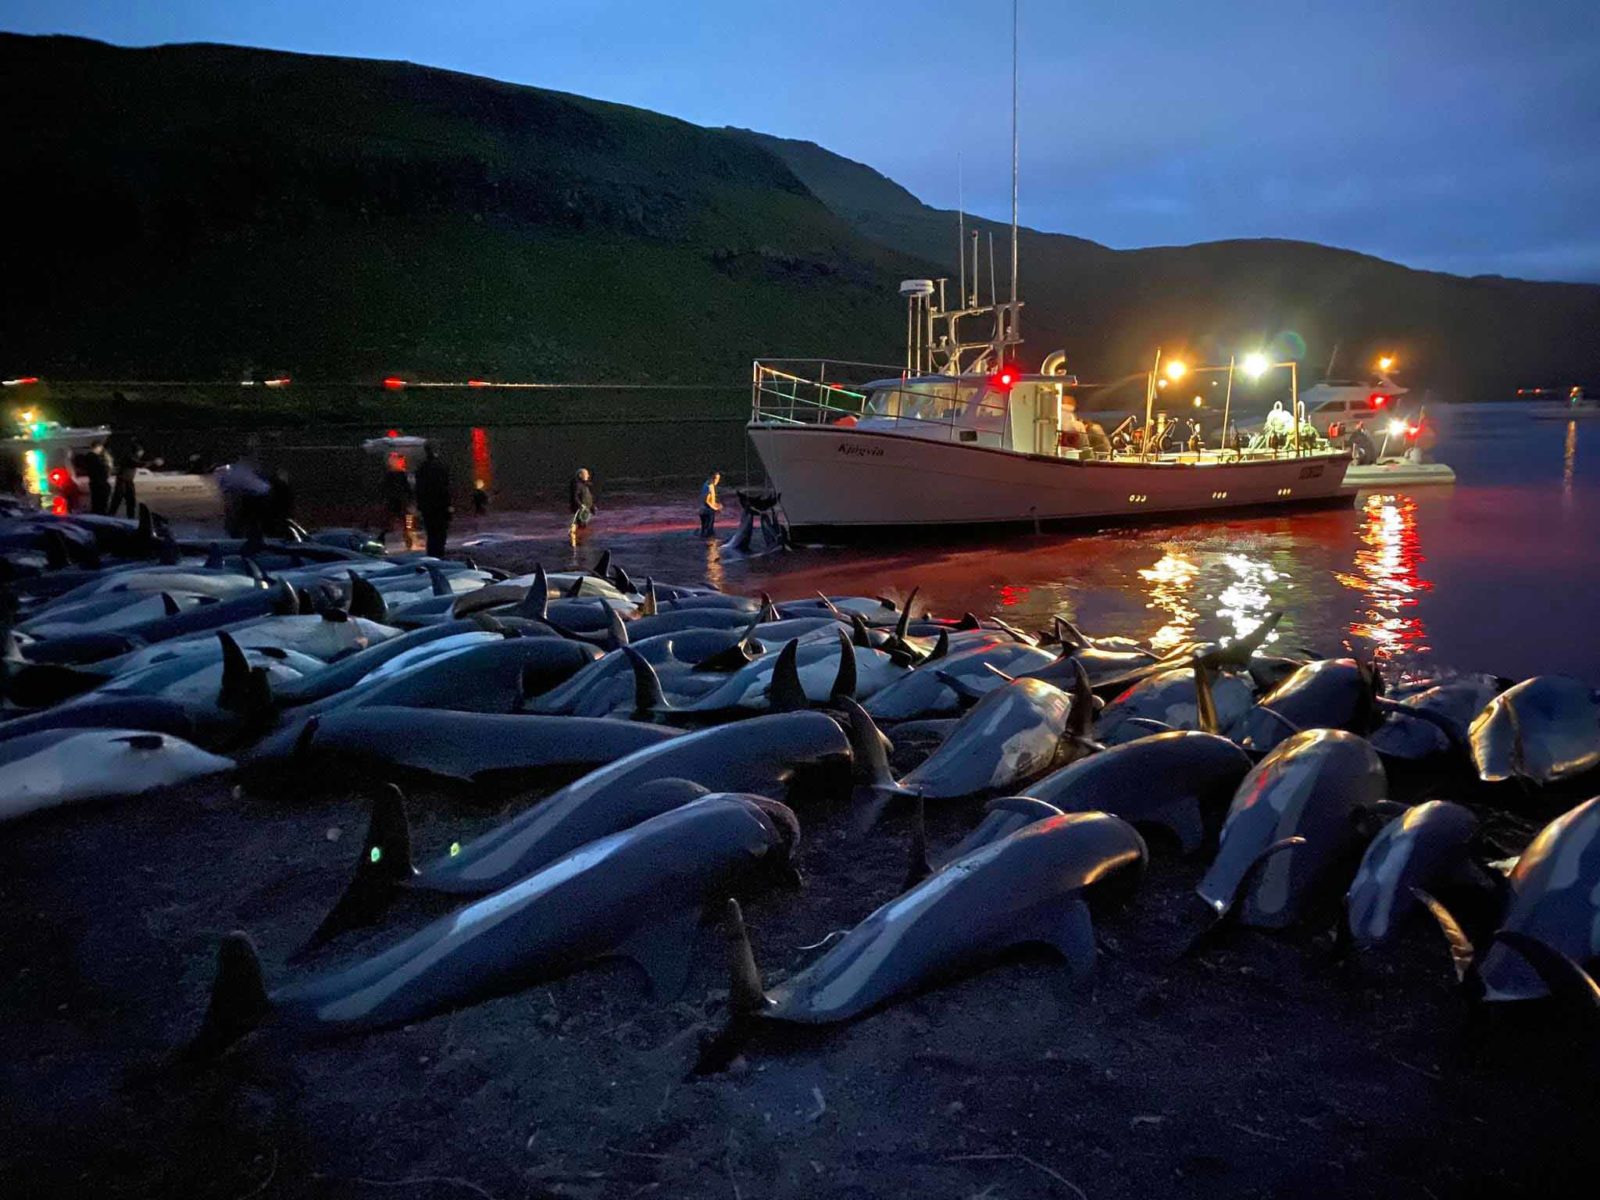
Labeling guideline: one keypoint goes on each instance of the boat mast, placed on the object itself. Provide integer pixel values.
(961, 233)
(1012, 324)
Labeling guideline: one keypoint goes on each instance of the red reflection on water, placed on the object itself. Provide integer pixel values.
(1389, 578)
(482, 460)
(1012, 595)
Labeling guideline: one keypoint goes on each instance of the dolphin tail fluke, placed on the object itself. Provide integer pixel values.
(1462, 951)
(1569, 985)
(238, 999)
(1238, 652)
(844, 683)
(785, 693)
(746, 997)
(384, 864)
(917, 866)
(1205, 702)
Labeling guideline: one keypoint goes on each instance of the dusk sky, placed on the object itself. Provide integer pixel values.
(1460, 135)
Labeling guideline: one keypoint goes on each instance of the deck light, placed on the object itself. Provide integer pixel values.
(1256, 365)
(1176, 370)
(1396, 427)
(1198, 403)
(1386, 363)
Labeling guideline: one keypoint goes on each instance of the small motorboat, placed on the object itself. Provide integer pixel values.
(1577, 408)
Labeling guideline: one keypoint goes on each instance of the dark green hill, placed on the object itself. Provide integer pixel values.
(1473, 338)
(195, 211)
(207, 211)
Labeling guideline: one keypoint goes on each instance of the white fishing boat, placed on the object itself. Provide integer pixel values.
(962, 437)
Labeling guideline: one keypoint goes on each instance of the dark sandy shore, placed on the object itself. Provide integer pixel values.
(1260, 1068)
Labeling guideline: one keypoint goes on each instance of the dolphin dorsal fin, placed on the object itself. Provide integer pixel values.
(903, 625)
(940, 647)
(647, 694)
(575, 591)
(863, 636)
(844, 683)
(745, 994)
(169, 604)
(235, 672)
(622, 582)
(651, 606)
(366, 600)
(536, 604)
(785, 693)
(602, 569)
(768, 610)
(619, 630)
(238, 998)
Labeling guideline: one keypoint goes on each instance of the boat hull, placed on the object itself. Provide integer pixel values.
(841, 482)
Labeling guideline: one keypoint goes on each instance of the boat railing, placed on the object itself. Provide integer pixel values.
(784, 396)
(785, 393)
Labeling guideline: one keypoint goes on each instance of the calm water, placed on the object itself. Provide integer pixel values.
(1497, 573)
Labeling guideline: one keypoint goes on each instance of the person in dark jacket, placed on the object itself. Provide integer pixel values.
(433, 499)
(128, 464)
(278, 506)
(97, 470)
(580, 497)
(397, 498)
(1362, 450)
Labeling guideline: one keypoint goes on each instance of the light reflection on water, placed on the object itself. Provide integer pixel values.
(1388, 578)
(1170, 580)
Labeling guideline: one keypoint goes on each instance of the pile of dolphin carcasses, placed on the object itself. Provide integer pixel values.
(682, 729)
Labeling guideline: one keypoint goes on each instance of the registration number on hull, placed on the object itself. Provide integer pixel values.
(853, 451)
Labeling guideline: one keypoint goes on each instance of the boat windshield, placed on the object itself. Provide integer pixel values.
(923, 400)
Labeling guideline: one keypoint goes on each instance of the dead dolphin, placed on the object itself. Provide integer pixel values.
(953, 681)
(1033, 885)
(1555, 900)
(1334, 693)
(1314, 786)
(1171, 699)
(492, 749)
(1542, 730)
(764, 754)
(636, 894)
(55, 767)
(1182, 780)
(1012, 736)
(1423, 847)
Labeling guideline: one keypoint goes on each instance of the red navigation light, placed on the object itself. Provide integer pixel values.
(58, 506)
(281, 381)
(1005, 378)
(394, 433)
(58, 478)
(479, 383)
(1378, 399)
(393, 384)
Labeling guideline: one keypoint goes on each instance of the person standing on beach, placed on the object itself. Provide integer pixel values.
(433, 499)
(122, 496)
(97, 469)
(580, 497)
(397, 497)
(709, 505)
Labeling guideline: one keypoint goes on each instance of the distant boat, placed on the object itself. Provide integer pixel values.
(1577, 408)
